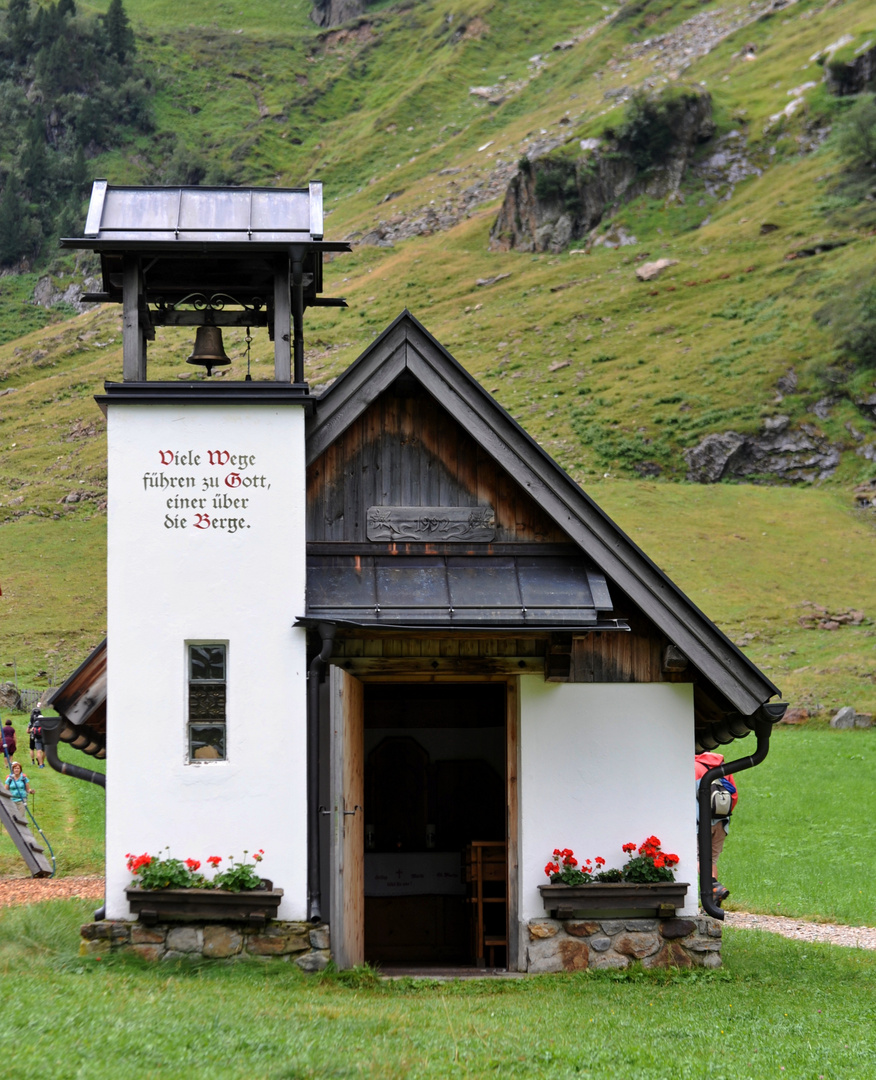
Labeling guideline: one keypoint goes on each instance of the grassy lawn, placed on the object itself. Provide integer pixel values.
(779, 1008)
(71, 813)
(801, 839)
(800, 842)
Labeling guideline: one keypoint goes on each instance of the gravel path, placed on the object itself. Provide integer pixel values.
(32, 890)
(855, 937)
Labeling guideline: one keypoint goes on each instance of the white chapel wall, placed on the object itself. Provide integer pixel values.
(219, 572)
(602, 765)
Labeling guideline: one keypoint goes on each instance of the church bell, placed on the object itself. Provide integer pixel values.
(208, 350)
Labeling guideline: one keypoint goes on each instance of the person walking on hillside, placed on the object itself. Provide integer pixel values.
(720, 821)
(8, 736)
(18, 785)
(35, 731)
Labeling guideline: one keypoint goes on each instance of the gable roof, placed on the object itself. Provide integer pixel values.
(406, 346)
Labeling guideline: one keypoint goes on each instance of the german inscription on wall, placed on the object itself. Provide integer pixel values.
(432, 524)
(205, 490)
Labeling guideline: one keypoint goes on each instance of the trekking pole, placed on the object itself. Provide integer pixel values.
(42, 834)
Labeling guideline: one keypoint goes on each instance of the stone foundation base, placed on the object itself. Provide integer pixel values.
(579, 944)
(301, 943)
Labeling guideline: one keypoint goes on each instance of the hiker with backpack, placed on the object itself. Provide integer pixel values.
(8, 737)
(723, 802)
(17, 784)
(35, 731)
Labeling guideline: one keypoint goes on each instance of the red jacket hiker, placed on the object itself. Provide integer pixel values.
(704, 762)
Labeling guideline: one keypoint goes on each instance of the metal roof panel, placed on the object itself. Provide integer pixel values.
(447, 590)
(204, 215)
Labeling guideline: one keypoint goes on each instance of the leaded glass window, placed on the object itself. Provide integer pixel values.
(207, 688)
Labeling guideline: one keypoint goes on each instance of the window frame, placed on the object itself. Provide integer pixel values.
(190, 683)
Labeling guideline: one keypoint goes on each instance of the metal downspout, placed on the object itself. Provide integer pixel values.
(51, 730)
(314, 676)
(763, 730)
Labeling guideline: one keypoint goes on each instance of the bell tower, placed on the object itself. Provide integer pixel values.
(206, 528)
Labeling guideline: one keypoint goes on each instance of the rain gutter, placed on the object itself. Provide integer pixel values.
(51, 731)
(315, 674)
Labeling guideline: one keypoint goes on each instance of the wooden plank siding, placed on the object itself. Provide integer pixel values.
(406, 450)
(597, 657)
(446, 646)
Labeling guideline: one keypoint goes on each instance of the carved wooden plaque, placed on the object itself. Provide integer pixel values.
(432, 524)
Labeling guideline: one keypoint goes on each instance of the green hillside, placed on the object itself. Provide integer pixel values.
(416, 116)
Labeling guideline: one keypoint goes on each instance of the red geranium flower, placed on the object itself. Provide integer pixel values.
(629, 847)
(136, 861)
(600, 861)
(193, 864)
(214, 860)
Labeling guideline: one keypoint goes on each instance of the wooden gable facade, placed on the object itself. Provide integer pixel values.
(387, 435)
(406, 450)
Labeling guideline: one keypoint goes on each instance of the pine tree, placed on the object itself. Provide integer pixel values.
(78, 175)
(12, 230)
(119, 33)
(36, 165)
(18, 30)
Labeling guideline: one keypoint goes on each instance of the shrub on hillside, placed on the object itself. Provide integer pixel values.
(653, 124)
(851, 320)
(856, 138)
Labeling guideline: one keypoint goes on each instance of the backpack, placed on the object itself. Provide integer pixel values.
(722, 800)
(36, 727)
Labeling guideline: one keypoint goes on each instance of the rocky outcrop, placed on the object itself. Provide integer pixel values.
(9, 696)
(561, 197)
(847, 718)
(49, 292)
(776, 454)
(728, 163)
(649, 271)
(334, 12)
(853, 76)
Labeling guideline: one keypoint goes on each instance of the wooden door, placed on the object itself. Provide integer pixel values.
(347, 907)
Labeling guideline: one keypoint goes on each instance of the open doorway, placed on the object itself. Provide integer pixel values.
(434, 784)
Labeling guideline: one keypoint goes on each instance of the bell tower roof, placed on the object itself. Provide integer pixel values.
(210, 256)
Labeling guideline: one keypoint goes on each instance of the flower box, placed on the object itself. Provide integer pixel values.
(252, 906)
(664, 897)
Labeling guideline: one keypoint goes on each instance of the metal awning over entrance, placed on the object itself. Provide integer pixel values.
(480, 591)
